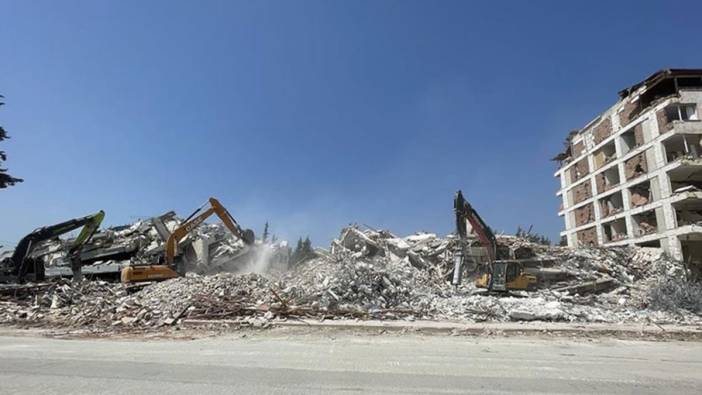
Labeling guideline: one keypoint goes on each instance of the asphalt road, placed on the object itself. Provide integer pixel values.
(279, 363)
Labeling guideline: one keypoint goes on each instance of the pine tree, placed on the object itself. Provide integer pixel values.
(265, 232)
(297, 252)
(307, 250)
(6, 180)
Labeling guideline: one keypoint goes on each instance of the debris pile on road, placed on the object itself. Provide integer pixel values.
(375, 274)
(103, 306)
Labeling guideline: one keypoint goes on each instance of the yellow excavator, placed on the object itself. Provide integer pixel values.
(171, 268)
(499, 274)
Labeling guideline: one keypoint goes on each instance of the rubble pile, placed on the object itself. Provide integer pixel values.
(84, 304)
(208, 249)
(99, 305)
(390, 277)
(375, 274)
(672, 294)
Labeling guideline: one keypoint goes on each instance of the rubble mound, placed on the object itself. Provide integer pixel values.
(669, 294)
(375, 274)
(101, 305)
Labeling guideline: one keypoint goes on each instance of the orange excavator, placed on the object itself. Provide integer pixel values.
(173, 267)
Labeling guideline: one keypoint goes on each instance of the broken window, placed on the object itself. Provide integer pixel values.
(584, 215)
(615, 230)
(677, 112)
(682, 146)
(602, 130)
(684, 176)
(688, 211)
(579, 170)
(582, 192)
(607, 179)
(640, 194)
(636, 166)
(632, 138)
(645, 223)
(587, 237)
(611, 205)
(682, 112)
(688, 217)
(604, 155)
(628, 112)
(688, 112)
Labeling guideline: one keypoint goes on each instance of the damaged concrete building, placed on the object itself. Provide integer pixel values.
(633, 175)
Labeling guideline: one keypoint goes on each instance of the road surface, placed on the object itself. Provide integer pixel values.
(398, 364)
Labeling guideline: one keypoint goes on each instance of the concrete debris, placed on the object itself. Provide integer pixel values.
(370, 274)
(208, 249)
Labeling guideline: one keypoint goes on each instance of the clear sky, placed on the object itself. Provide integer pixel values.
(314, 114)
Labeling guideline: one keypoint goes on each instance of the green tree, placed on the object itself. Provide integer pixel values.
(303, 251)
(532, 236)
(307, 250)
(297, 252)
(6, 180)
(265, 232)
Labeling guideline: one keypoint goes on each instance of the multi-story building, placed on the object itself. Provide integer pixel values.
(633, 175)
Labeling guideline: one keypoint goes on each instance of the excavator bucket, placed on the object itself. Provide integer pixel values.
(133, 274)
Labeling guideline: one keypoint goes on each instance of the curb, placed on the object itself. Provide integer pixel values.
(447, 327)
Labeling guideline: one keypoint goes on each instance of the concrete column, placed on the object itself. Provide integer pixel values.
(669, 217)
(618, 145)
(76, 268)
(596, 208)
(590, 164)
(658, 154)
(674, 248)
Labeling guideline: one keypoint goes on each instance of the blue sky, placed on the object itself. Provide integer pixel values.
(313, 114)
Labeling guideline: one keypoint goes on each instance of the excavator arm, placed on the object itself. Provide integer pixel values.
(156, 272)
(465, 214)
(497, 275)
(19, 262)
(91, 226)
(196, 219)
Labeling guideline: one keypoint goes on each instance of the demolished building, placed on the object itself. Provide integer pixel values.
(208, 248)
(368, 274)
(633, 175)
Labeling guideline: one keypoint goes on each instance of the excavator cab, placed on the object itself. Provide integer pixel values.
(506, 275)
(173, 266)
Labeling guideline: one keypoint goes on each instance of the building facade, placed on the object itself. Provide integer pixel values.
(633, 175)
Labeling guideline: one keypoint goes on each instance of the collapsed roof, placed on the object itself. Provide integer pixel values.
(635, 99)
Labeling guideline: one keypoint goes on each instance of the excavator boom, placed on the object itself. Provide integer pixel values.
(169, 270)
(215, 208)
(19, 265)
(465, 213)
